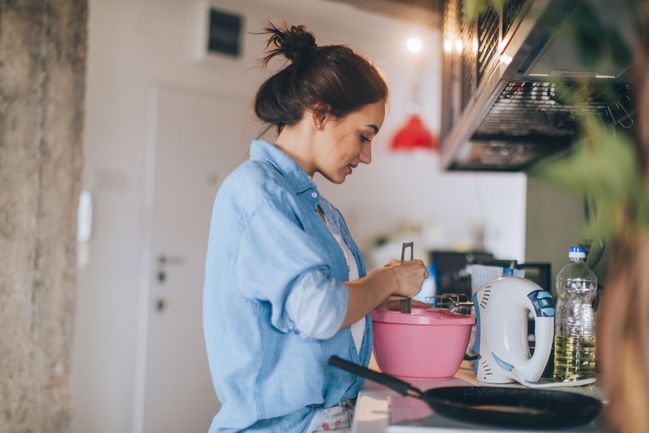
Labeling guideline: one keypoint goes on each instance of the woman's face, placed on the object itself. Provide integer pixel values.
(343, 143)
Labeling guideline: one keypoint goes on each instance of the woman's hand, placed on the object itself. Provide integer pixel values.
(408, 277)
(395, 278)
(403, 279)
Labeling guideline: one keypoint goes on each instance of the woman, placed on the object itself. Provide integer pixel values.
(285, 284)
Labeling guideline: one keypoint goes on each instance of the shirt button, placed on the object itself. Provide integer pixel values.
(314, 194)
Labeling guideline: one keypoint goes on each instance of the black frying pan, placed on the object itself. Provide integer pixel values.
(495, 406)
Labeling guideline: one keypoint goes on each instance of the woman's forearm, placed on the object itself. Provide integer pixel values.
(365, 294)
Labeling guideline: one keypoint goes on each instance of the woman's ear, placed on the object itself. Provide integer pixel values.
(319, 116)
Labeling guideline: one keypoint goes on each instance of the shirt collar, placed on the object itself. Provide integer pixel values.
(261, 150)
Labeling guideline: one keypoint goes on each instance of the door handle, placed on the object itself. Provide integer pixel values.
(165, 260)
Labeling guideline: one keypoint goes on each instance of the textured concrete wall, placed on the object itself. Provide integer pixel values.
(42, 70)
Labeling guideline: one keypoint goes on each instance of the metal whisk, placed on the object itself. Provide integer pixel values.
(406, 304)
(454, 302)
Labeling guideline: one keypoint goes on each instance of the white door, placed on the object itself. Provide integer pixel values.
(199, 138)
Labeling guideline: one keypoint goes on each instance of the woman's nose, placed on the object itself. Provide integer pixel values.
(366, 153)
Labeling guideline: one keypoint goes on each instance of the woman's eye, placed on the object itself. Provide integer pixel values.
(365, 139)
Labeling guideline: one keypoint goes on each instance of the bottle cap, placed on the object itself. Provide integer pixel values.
(577, 253)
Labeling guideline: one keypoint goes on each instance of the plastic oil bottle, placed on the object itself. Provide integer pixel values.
(574, 336)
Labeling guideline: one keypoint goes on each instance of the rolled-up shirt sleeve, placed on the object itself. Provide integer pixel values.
(317, 305)
(278, 262)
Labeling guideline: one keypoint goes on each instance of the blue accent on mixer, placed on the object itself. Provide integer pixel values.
(504, 365)
(476, 343)
(542, 302)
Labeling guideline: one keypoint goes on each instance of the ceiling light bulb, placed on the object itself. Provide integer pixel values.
(448, 45)
(414, 45)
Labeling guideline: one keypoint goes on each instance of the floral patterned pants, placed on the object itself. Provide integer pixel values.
(337, 419)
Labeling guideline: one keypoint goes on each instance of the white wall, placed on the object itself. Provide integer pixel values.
(135, 45)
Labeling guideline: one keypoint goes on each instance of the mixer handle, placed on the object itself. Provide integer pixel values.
(540, 303)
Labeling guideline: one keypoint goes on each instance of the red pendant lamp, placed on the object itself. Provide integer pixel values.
(413, 135)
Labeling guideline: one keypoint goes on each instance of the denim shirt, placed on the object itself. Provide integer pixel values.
(265, 235)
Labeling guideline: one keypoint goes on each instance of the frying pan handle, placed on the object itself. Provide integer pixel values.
(398, 385)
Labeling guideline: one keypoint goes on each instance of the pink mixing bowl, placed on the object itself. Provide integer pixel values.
(429, 343)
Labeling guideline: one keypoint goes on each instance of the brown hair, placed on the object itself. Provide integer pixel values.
(332, 75)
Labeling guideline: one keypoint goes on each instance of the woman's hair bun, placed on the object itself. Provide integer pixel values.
(292, 42)
(329, 75)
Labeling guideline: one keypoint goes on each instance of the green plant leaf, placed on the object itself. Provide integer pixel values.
(619, 50)
(473, 8)
(498, 4)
